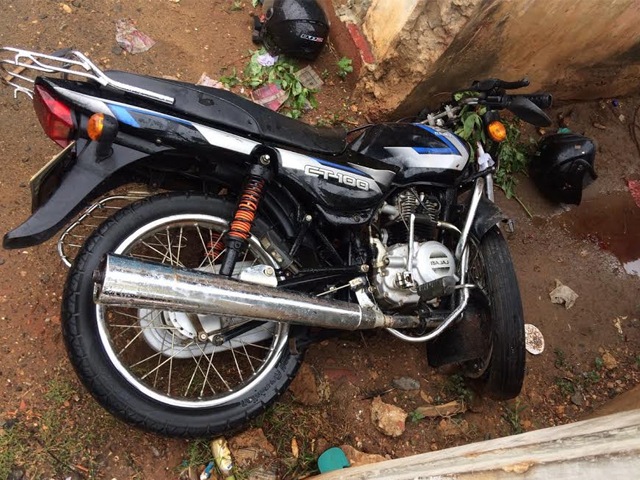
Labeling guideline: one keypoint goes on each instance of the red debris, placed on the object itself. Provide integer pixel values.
(634, 188)
(361, 43)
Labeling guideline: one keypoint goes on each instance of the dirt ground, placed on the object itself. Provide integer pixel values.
(52, 429)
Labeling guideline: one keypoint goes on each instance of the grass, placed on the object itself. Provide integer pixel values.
(457, 386)
(50, 440)
(512, 416)
(283, 422)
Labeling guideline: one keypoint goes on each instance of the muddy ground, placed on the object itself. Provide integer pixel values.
(51, 427)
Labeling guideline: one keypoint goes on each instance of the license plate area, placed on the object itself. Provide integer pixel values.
(47, 180)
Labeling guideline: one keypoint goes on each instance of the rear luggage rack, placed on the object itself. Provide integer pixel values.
(67, 62)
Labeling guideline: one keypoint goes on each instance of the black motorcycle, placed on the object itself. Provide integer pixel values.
(187, 311)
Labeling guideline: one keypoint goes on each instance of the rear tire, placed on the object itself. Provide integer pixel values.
(146, 366)
(501, 371)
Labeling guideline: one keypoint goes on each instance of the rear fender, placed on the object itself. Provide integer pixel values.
(84, 178)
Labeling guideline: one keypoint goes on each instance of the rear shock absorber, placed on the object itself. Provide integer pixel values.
(244, 216)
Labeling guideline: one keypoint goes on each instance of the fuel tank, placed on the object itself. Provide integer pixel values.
(416, 152)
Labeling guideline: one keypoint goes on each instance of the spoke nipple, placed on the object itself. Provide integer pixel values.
(203, 337)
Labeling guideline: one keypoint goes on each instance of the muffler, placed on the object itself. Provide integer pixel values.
(128, 282)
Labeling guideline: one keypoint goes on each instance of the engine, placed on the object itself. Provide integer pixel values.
(404, 263)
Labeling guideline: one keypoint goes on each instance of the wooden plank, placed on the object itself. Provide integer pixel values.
(604, 447)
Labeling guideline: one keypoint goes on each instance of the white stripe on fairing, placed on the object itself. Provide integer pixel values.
(225, 140)
(428, 160)
(90, 103)
(295, 161)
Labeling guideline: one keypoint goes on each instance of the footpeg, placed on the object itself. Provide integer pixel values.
(441, 287)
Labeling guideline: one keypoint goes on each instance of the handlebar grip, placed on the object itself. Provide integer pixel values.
(513, 85)
(542, 100)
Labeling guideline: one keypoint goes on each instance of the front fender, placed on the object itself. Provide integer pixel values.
(487, 215)
(82, 177)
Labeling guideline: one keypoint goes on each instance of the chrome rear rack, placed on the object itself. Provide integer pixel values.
(17, 67)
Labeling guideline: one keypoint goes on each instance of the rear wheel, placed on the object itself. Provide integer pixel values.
(148, 366)
(501, 370)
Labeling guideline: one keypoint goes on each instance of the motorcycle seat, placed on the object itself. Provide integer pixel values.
(236, 114)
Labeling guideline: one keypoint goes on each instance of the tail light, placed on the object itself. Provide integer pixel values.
(54, 116)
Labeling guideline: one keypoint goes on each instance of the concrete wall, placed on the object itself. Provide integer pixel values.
(425, 49)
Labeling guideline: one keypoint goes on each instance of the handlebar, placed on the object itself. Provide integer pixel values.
(542, 100)
(495, 84)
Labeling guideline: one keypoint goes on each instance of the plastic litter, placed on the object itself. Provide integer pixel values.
(267, 60)
(563, 295)
(207, 81)
(130, 38)
(332, 459)
(222, 457)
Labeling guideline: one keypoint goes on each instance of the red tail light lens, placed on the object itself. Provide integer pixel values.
(55, 116)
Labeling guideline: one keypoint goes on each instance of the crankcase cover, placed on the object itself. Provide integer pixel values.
(432, 261)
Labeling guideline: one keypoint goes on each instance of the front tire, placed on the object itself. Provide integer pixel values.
(148, 367)
(501, 371)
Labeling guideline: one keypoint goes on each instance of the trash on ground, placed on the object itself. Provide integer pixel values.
(617, 322)
(267, 60)
(130, 38)
(207, 81)
(270, 96)
(406, 383)
(533, 339)
(563, 295)
(332, 459)
(206, 473)
(444, 410)
(309, 78)
(222, 457)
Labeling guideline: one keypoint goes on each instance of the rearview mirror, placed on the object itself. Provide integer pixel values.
(528, 111)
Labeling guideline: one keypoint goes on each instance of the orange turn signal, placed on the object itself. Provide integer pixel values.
(497, 131)
(95, 126)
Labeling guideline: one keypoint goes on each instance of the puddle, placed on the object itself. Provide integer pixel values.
(611, 222)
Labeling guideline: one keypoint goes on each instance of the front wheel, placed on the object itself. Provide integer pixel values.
(501, 371)
(149, 367)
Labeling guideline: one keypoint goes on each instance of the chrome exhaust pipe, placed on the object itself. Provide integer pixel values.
(128, 282)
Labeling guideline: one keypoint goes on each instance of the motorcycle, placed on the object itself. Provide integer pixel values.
(187, 312)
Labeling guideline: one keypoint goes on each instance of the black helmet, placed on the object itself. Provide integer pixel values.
(563, 166)
(295, 28)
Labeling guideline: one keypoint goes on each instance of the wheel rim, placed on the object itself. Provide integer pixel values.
(158, 353)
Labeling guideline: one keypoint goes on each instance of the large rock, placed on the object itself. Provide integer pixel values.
(304, 387)
(357, 458)
(251, 448)
(389, 419)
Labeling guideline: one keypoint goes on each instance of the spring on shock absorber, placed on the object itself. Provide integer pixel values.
(240, 228)
(246, 209)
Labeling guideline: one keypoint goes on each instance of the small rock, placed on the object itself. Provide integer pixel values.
(304, 386)
(77, 3)
(155, 452)
(66, 8)
(609, 361)
(357, 458)
(406, 383)
(2, 260)
(389, 419)
(560, 410)
(250, 448)
(577, 399)
(16, 474)
(599, 126)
